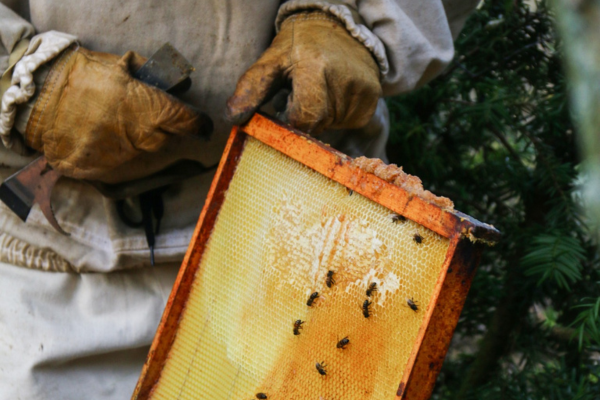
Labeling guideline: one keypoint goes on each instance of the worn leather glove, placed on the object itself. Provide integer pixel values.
(335, 79)
(92, 116)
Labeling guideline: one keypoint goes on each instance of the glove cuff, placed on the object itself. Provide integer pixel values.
(312, 15)
(349, 19)
(41, 49)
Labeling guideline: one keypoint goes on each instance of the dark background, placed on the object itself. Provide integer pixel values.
(494, 134)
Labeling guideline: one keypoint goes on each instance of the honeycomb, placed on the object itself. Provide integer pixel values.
(281, 229)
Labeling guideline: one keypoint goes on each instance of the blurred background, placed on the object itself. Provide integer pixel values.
(495, 134)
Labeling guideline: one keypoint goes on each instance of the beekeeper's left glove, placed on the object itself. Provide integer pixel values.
(335, 79)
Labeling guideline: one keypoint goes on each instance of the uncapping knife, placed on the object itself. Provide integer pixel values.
(166, 69)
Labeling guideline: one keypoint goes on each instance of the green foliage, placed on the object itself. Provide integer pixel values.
(554, 256)
(494, 134)
(587, 323)
(552, 381)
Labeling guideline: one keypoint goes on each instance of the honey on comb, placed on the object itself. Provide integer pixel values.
(281, 229)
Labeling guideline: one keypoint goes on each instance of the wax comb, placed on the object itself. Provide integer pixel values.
(287, 217)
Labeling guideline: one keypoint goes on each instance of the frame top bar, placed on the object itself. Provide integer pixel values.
(340, 168)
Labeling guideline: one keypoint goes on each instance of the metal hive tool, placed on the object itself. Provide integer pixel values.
(288, 217)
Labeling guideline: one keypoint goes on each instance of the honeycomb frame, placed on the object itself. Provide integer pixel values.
(466, 237)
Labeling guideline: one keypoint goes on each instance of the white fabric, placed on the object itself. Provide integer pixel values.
(77, 336)
(99, 241)
(42, 48)
(457, 12)
(13, 29)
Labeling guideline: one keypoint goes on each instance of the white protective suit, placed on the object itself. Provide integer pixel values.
(78, 313)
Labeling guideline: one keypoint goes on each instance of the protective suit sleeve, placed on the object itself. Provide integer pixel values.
(410, 40)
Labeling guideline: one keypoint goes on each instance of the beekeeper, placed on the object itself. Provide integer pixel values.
(78, 312)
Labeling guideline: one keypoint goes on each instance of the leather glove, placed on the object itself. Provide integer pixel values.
(335, 79)
(92, 116)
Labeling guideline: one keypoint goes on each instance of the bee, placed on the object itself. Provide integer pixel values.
(365, 308)
(418, 238)
(330, 281)
(398, 218)
(261, 396)
(343, 343)
(321, 367)
(372, 288)
(298, 326)
(312, 299)
(412, 304)
(350, 191)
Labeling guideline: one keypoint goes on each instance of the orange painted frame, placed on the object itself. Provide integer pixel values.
(452, 286)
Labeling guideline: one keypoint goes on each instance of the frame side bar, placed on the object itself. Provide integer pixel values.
(165, 335)
(431, 310)
(445, 317)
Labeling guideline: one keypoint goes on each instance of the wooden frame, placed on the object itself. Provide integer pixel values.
(465, 233)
